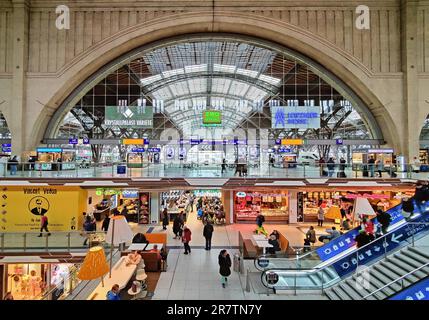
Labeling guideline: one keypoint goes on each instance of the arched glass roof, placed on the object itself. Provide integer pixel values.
(218, 74)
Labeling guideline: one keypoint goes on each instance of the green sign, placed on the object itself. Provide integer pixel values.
(212, 118)
(129, 116)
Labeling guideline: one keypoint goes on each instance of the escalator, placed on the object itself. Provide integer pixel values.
(325, 253)
(339, 258)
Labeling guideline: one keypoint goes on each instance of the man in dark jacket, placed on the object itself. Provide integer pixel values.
(177, 226)
(362, 239)
(224, 266)
(105, 225)
(208, 233)
(384, 219)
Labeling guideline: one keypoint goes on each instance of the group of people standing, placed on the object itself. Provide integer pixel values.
(330, 165)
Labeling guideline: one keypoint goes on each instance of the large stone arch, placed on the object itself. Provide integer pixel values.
(340, 63)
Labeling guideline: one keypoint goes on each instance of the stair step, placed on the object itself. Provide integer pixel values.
(419, 252)
(351, 290)
(341, 293)
(415, 256)
(396, 269)
(331, 294)
(380, 280)
(409, 268)
(374, 285)
(331, 274)
(409, 260)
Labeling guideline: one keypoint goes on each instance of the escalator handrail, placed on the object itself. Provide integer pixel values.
(335, 259)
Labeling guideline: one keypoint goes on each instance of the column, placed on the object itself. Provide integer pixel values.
(293, 207)
(154, 207)
(409, 51)
(19, 66)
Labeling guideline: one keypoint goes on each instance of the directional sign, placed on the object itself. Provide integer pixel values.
(272, 277)
(263, 262)
(418, 291)
(378, 247)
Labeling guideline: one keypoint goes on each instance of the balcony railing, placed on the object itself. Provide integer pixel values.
(194, 170)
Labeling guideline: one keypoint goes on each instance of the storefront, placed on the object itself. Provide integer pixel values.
(131, 203)
(55, 159)
(360, 158)
(176, 201)
(273, 205)
(33, 281)
(312, 200)
(22, 212)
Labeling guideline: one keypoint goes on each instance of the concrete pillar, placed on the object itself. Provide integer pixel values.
(154, 207)
(409, 51)
(16, 121)
(293, 206)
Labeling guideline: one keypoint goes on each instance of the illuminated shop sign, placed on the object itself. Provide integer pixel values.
(212, 118)
(367, 196)
(111, 192)
(49, 150)
(138, 150)
(295, 117)
(380, 150)
(129, 116)
(207, 193)
(257, 194)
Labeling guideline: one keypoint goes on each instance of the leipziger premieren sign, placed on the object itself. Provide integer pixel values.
(295, 117)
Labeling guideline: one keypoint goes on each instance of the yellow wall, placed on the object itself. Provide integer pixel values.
(64, 208)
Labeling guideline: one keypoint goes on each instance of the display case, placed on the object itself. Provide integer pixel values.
(248, 205)
(144, 209)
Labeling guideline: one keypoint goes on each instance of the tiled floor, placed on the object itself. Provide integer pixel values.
(196, 276)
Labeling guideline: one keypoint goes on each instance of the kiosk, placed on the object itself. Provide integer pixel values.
(55, 159)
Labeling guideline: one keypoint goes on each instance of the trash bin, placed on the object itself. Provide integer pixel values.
(236, 263)
(121, 169)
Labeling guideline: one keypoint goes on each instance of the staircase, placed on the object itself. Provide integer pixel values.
(382, 273)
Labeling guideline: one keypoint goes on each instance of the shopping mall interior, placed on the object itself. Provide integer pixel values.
(214, 150)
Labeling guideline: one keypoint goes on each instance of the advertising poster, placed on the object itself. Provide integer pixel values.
(23, 207)
(169, 153)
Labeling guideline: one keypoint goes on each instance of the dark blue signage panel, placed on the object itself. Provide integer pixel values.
(6, 145)
(6, 149)
(418, 291)
(153, 149)
(73, 141)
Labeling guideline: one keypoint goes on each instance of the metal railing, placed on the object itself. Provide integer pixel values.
(56, 240)
(396, 280)
(320, 271)
(189, 169)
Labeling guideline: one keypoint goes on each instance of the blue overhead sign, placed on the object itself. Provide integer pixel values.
(6, 149)
(377, 248)
(138, 150)
(418, 291)
(153, 149)
(73, 141)
(6, 145)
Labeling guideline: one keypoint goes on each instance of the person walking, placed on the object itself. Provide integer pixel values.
(320, 216)
(44, 225)
(105, 224)
(165, 219)
(379, 164)
(223, 166)
(371, 165)
(331, 167)
(224, 266)
(186, 239)
(177, 226)
(88, 226)
(342, 168)
(311, 235)
(13, 165)
(322, 165)
(384, 219)
(208, 233)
